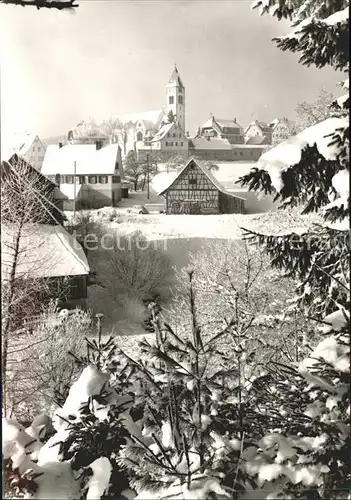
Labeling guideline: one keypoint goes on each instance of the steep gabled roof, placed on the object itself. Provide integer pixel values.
(221, 123)
(147, 124)
(44, 251)
(89, 160)
(7, 166)
(209, 144)
(151, 116)
(262, 125)
(208, 123)
(163, 131)
(175, 78)
(257, 140)
(227, 123)
(205, 170)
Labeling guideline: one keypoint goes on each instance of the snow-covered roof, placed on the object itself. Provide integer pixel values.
(227, 123)
(147, 124)
(210, 144)
(20, 144)
(274, 122)
(25, 143)
(163, 131)
(45, 251)
(151, 116)
(221, 122)
(208, 123)
(89, 160)
(262, 125)
(205, 170)
(257, 140)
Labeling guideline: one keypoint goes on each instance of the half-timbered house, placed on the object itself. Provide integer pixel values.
(196, 191)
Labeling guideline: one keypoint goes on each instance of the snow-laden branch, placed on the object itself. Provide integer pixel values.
(289, 153)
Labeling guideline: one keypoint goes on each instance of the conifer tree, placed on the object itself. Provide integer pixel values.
(305, 455)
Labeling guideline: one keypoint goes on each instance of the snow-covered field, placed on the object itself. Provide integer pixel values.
(156, 226)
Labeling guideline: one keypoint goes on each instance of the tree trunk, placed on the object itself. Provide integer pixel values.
(7, 324)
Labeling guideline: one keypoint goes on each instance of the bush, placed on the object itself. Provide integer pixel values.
(41, 371)
(134, 270)
(262, 300)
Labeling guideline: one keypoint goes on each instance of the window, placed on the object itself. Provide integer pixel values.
(171, 143)
(103, 179)
(116, 179)
(180, 136)
(82, 179)
(181, 144)
(168, 135)
(166, 143)
(192, 181)
(139, 136)
(174, 135)
(180, 99)
(92, 179)
(234, 153)
(171, 99)
(241, 153)
(69, 179)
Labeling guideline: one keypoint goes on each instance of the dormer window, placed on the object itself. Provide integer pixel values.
(171, 99)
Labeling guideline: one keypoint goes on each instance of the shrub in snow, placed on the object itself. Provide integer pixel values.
(40, 370)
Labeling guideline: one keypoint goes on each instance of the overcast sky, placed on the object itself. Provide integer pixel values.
(116, 57)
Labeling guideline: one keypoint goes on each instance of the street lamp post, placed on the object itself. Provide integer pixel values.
(148, 176)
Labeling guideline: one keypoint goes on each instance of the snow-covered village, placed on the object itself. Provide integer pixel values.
(175, 249)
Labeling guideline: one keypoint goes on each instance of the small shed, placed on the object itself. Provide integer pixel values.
(196, 191)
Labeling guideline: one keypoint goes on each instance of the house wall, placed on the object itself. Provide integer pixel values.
(256, 203)
(246, 153)
(234, 139)
(236, 153)
(253, 131)
(230, 205)
(280, 131)
(212, 154)
(97, 195)
(71, 290)
(183, 194)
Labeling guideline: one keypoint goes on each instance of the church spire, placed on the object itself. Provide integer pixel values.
(175, 77)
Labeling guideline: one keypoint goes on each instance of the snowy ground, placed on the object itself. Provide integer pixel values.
(125, 219)
(156, 226)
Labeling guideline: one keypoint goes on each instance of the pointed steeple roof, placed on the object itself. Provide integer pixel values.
(175, 78)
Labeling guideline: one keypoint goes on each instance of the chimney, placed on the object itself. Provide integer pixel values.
(57, 180)
(234, 119)
(60, 145)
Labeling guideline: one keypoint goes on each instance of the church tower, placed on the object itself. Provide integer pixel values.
(175, 95)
